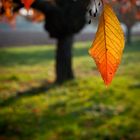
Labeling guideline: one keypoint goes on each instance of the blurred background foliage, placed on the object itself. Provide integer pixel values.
(32, 107)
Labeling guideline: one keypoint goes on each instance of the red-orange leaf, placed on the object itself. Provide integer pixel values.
(7, 5)
(27, 3)
(108, 45)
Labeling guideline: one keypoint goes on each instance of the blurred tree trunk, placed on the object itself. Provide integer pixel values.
(129, 34)
(63, 19)
(64, 70)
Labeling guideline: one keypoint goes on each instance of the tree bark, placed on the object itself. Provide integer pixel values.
(64, 70)
(129, 34)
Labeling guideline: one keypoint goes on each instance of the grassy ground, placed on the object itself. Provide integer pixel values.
(82, 109)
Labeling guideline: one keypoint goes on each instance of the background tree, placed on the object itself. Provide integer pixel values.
(63, 19)
(129, 14)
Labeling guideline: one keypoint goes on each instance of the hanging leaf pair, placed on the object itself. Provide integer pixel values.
(27, 3)
(107, 48)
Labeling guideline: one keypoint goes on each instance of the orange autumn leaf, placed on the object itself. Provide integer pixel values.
(7, 5)
(107, 48)
(37, 16)
(27, 3)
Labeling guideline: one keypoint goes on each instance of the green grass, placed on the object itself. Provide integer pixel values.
(82, 109)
